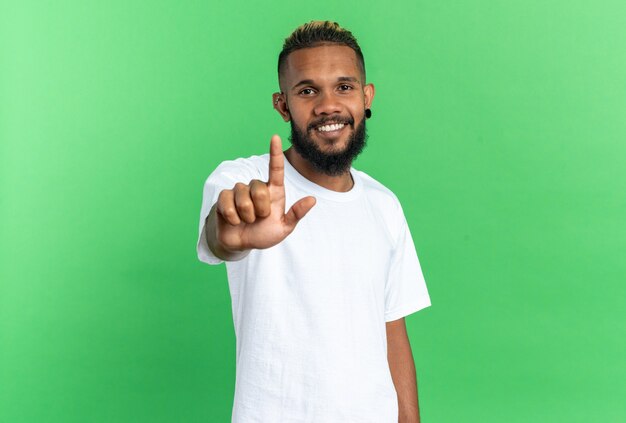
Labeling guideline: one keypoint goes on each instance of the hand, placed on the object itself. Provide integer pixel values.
(253, 216)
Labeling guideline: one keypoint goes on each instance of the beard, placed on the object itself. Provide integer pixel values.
(333, 163)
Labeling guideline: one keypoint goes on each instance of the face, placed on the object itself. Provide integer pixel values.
(324, 98)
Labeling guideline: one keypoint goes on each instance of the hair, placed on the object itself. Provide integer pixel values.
(317, 33)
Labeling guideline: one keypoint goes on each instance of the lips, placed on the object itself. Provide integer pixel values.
(330, 132)
(329, 125)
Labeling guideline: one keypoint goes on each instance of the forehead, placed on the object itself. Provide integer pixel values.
(321, 63)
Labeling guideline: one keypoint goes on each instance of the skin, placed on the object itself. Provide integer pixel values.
(402, 367)
(334, 87)
(317, 84)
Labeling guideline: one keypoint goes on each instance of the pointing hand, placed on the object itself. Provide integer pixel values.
(253, 216)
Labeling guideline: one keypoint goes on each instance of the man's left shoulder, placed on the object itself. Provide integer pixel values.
(378, 192)
(384, 205)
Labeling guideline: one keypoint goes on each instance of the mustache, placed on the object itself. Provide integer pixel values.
(331, 119)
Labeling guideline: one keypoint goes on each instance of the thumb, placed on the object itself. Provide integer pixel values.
(298, 210)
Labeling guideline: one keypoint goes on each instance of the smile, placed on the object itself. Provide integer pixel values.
(333, 127)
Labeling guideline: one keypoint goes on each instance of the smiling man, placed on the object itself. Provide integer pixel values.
(321, 264)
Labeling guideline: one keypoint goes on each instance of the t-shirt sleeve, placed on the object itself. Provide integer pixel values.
(225, 176)
(405, 289)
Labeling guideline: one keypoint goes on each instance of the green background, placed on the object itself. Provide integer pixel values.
(500, 125)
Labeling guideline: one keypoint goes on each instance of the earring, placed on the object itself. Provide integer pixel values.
(368, 113)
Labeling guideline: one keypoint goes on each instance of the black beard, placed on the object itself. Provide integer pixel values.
(332, 164)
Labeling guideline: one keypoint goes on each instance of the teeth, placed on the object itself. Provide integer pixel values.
(333, 127)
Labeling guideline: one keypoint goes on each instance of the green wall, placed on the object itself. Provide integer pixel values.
(500, 125)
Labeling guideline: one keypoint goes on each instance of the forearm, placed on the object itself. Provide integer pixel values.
(402, 367)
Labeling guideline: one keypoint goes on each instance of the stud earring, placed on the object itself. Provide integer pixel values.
(368, 113)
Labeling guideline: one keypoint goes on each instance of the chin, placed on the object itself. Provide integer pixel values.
(336, 147)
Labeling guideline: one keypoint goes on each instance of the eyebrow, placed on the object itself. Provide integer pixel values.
(339, 79)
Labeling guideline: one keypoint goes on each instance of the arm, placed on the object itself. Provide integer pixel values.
(402, 368)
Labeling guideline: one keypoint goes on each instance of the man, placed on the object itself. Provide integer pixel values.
(320, 260)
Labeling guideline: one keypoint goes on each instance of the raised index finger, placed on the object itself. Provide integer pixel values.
(277, 164)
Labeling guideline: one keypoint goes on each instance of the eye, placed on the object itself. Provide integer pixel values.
(345, 87)
(307, 91)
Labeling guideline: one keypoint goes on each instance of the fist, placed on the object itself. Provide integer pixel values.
(244, 202)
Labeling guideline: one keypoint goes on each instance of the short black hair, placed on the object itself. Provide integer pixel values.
(317, 33)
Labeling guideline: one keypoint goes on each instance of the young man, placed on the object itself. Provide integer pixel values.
(321, 264)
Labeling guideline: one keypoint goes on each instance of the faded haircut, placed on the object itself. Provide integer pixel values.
(317, 33)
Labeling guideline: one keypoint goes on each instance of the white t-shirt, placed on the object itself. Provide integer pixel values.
(310, 312)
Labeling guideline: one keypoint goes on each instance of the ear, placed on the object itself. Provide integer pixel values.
(369, 91)
(280, 104)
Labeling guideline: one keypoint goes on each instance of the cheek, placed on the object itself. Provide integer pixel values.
(357, 107)
(298, 118)
(299, 123)
(358, 114)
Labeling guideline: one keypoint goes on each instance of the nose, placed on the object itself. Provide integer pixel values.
(327, 104)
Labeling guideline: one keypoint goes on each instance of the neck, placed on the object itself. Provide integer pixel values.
(340, 183)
